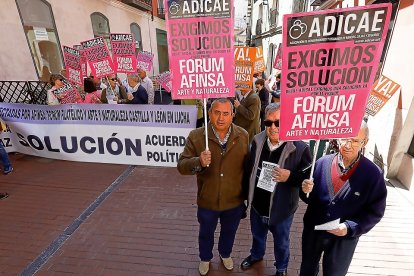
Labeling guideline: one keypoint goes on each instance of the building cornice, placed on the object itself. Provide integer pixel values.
(120, 5)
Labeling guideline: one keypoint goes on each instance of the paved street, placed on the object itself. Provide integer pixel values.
(71, 218)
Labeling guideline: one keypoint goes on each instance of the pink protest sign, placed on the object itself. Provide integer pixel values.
(98, 57)
(330, 59)
(123, 53)
(73, 65)
(200, 48)
(164, 79)
(144, 60)
(67, 93)
(277, 64)
(83, 60)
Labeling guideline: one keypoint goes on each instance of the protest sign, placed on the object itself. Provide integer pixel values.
(123, 53)
(330, 59)
(83, 60)
(164, 79)
(119, 134)
(98, 57)
(200, 48)
(259, 63)
(244, 59)
(73, 65)
(382, 90)
(277, 64)
(145, 60)
(67, 93)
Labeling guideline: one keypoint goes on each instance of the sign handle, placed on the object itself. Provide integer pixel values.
(315, 152)
(205, 121)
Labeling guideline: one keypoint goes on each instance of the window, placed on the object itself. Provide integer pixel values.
(270, 58)
(136, 31)
(162, 48)
(100, 26)
(411, 148)
(40, 30)
(274, 14)
(299, 6)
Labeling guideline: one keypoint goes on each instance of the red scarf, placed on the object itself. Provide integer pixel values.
(338, 178)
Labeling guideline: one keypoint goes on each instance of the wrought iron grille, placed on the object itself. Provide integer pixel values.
(32, 92)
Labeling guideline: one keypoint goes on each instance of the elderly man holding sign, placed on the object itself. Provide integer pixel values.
(346, 200)
(219, 171)
(277, 169)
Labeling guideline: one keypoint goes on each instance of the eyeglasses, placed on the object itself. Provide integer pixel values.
(269, 123)
(113, 79)
(354, 142)
(60, 79)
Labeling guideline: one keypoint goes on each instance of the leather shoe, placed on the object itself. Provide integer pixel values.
(248, 262)
(281, 273)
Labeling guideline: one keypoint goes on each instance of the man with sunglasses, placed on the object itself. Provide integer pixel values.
(273, 209)
(348, 187)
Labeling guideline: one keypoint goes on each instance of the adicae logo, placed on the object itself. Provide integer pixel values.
(174, 8)
(298, 29)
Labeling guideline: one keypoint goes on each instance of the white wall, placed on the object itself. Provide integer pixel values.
(392, 127)
(73, 25)
(15, 60)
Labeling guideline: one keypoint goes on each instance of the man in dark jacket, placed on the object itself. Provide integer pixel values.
(273, 205)
(139, 94)
(348, 187)
(248, 112)
(264, 100)
(219, 171)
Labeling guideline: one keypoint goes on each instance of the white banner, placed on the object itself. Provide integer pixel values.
(152, 135)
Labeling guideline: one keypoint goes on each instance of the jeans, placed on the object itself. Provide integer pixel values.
(280, 231)
(229, 222)
(4, 158)
(337, 253)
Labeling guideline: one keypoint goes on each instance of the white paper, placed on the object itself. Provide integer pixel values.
(330, 225)
(265, 179)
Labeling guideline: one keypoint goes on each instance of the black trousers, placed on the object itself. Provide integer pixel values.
(337, 253)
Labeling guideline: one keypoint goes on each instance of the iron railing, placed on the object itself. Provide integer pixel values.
(32, 92)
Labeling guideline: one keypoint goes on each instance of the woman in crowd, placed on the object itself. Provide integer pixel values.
(92, 95)
(56, 80)
(115, 93)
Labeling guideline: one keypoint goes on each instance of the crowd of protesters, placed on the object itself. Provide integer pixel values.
(242, 141)
(134, 89)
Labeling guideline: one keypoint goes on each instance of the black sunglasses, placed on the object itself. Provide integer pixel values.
(269, 123)
(113, 79)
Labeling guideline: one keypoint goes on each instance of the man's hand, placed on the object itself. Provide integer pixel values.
(236, 103)
(205, 158)
(280, 175)
(307, 186)
(130, 96)
(341, 231)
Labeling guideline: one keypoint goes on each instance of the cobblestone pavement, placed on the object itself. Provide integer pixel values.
(72, 218)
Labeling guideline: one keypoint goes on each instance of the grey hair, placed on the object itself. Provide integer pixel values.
(364, 125)
(134, 77)
(221, 100)
(273, 107)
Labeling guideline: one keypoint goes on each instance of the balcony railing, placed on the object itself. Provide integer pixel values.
(145, 5)
(161, 13)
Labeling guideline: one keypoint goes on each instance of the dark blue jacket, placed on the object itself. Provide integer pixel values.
(360, 204)
(140, 96)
